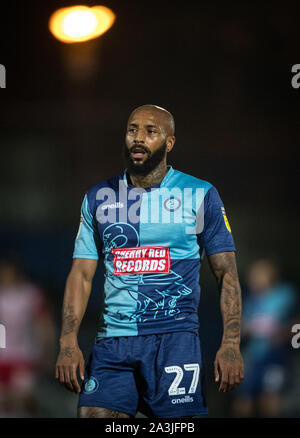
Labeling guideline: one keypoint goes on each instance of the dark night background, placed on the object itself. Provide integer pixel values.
(222, 69)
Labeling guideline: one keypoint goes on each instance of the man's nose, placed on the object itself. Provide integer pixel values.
(140, 136)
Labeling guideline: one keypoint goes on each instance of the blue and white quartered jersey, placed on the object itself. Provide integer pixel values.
(151, 241)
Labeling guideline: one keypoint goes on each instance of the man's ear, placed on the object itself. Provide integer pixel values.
(170, 142)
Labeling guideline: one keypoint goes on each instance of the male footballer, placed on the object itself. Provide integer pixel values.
(151, 226)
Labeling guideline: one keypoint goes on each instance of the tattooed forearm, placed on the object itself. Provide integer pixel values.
(69, 320)
(231, 310)
(224, 268)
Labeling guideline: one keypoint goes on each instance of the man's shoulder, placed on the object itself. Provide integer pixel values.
(111, 183)
(183, 179)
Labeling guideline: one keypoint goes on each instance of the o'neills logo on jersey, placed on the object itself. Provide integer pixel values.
(141, 260)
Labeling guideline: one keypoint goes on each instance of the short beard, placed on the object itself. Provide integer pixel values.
(148, 165)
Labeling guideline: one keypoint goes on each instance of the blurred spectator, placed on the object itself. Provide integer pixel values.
(30, 341)
(269, 306)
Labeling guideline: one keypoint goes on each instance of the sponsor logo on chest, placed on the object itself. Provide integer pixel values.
(141, 260)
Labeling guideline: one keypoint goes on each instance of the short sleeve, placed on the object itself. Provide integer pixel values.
(216, 235)
(87, 242)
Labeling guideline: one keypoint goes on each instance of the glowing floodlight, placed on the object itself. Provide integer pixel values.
(80, 23)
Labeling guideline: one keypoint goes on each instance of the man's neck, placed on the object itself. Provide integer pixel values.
(154, 177)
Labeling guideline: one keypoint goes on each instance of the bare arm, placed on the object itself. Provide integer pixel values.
(77, 293)
(229, 362)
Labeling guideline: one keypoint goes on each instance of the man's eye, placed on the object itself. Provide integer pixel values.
(131, 129)
(151, 131)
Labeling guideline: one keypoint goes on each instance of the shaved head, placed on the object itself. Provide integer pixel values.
(165, 117)
(149, 138)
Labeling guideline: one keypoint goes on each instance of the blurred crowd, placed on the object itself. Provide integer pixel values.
(30, 339)
(270, 309)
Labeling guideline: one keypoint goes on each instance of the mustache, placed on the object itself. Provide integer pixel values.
(142, 147)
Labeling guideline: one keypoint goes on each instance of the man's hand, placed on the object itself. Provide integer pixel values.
(69, 359)
(229, 366)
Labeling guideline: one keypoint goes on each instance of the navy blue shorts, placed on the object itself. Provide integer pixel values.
(158, 375)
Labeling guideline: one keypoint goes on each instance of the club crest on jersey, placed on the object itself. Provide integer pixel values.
(172, 203)
(225, 219)
(141, 260)
(91, 385)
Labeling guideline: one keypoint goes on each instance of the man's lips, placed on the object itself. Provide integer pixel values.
(137, 152)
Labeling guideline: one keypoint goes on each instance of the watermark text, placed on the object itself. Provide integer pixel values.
(296, 77)
(164, 206)
(296, 337)
(2, 336)
(2, 76)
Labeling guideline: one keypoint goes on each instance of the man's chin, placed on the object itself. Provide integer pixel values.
(137, 162)
(138, 169)
(142, 166)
